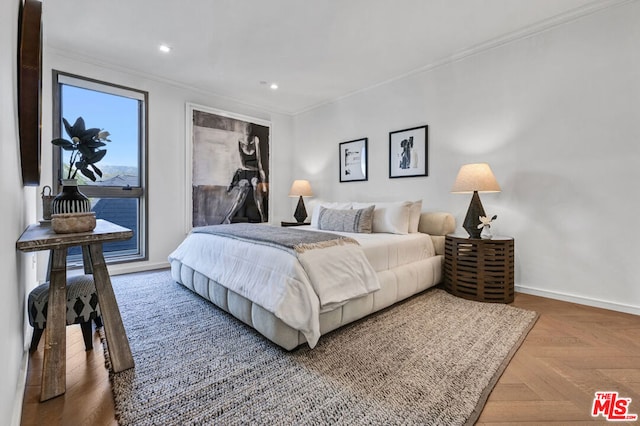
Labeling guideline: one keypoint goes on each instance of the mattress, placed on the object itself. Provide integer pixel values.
(388, 251)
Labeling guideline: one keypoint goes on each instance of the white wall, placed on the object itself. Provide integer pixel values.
(18, 209)
(556, 117)
(167, 184)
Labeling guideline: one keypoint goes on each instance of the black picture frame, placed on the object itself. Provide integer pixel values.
(408, 152)
(353, 157)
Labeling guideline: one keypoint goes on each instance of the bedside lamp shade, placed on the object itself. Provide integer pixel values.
(300, 188)
(474, 178)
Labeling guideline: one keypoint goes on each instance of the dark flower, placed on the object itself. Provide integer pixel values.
(85, 146)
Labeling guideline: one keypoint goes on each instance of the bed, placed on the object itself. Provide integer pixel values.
(271, 290)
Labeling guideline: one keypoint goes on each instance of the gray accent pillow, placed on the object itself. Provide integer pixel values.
(356, 220)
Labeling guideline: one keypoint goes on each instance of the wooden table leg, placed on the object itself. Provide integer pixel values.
(86, 260)
(54, 369)
(118, 343)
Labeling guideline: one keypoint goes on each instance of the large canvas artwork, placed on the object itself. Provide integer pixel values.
(229, 170)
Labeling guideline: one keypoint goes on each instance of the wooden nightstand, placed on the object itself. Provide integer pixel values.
(294, 223)
(479, 269)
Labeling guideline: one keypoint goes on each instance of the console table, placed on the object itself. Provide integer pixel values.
(479, 269)
(41, 237)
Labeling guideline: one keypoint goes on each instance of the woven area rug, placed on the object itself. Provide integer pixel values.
(432, 359)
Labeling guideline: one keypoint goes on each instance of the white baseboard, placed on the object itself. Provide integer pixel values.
(127, 268)
(22, 383)
(620, 307)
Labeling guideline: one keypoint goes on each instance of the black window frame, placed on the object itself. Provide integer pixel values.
(141, 192)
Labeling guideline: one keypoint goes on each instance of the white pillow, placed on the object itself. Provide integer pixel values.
(351, 220)
(335, 206)
(392, 218)
(415, 210)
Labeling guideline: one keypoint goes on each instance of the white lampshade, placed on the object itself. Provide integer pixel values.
(300, 188)
(475, 177)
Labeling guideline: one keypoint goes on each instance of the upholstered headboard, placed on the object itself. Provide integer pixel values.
(437, 224)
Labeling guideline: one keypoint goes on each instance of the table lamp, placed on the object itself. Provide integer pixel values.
(300, 188)
(474, 178)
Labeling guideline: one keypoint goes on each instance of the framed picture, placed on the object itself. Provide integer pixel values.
(353, 160)
(408, 152)
(227, 170)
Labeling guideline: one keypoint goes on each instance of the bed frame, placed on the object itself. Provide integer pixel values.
(395, 284)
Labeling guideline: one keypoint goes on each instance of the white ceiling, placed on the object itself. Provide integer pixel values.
(316, 50)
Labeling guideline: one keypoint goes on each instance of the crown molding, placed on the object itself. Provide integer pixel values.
(515, 36)
(523, 33)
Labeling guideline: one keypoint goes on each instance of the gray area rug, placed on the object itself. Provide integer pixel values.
(432, 359)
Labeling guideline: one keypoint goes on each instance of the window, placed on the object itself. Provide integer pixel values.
(119, 196)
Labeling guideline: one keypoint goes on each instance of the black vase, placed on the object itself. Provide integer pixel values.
(70, 200)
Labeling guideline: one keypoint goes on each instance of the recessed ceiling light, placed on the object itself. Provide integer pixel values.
(273, 86)
(164, 48)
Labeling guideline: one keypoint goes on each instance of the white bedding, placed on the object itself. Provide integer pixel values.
(404, 265)
(276, 279)
(387, 251)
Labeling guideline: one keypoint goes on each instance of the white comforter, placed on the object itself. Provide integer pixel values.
(294, 289)
(386, 251)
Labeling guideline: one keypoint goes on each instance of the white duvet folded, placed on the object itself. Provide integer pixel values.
(339, 273)
(293, 288)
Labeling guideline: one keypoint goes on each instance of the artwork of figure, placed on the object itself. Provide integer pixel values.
(405, 157)
(230, 170)
(251, 171)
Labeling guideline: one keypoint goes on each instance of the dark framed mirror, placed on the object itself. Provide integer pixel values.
(29, 89)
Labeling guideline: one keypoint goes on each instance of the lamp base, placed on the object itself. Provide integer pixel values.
(472, 219)
(301, 212)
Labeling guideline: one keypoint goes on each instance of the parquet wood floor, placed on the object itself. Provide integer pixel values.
(572, 352)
